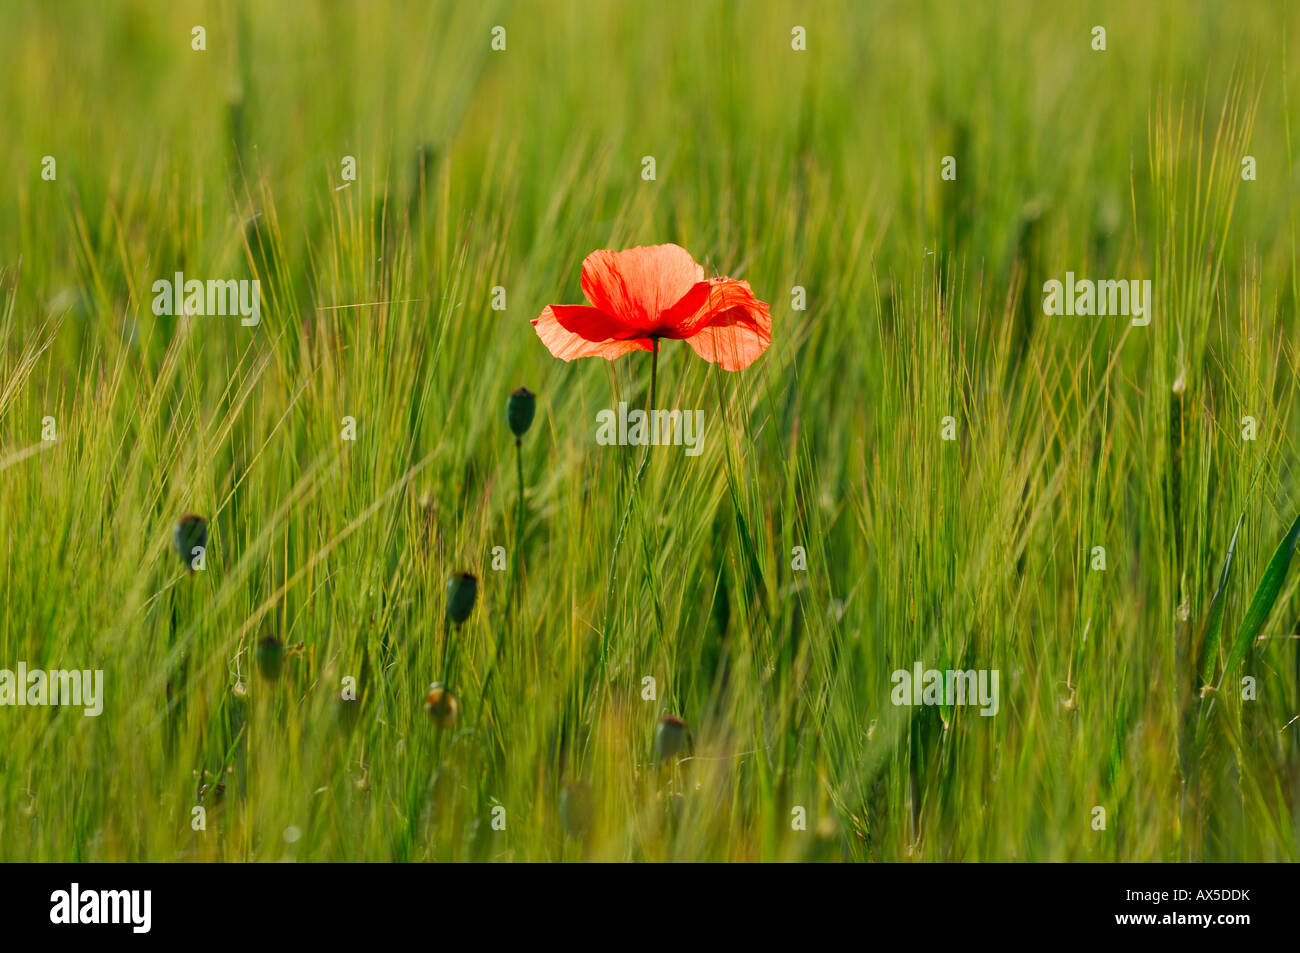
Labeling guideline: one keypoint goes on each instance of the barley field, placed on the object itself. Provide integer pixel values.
(259, 525)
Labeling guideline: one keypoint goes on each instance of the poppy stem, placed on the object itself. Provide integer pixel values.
(512, 605)
(519, 524)
(627, 511)
(172, 689)
(451, 655)
(446, 648)
(654, 376)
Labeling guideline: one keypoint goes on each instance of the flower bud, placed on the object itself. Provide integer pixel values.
(462, 589)
(191, 533)
(520, 409)
(671, 738)
(441, 705)
(270, 657)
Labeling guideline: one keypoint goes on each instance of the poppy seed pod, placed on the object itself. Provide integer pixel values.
(671, 738)
(441, 705)
(462, 589)
(191, 533)
(520, 409)
(270, 657)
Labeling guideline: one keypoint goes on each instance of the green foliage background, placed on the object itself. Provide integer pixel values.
(817, 168)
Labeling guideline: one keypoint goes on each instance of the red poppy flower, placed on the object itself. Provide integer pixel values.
(643, 294)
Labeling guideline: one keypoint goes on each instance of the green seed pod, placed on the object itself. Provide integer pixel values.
(191, 533)
(441, 706)
(520, 409)
(462, 589)
(270, 657)
(671, 738)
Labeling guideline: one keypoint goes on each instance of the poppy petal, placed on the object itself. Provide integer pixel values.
(567, 344)
(692, 311)
(591, 323)
(733, 329)
(700, 306)
(638, 285)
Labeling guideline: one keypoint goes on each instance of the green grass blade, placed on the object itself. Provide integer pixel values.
(1261, 606)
